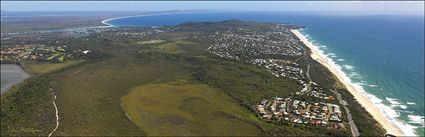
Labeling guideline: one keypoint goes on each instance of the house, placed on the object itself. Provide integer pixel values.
(334, 118)
(325, 108)
(278, 98)
(86, 51)
(297, 112)
(319, 117)
(324, 123)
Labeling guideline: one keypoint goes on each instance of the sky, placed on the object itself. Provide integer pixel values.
(370, 7)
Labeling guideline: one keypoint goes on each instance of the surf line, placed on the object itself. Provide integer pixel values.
(57, 113)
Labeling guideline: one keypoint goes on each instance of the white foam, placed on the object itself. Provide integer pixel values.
(340, 59)
(354, 75)
(321, 46)
(393, 101)
(399, 106)
(372, 85)
(349, 67)
(391, 114)
(410, 103)
(417, 119)
(403, 106)
(332, 55)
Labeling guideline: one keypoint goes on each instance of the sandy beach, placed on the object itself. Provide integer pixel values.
(361, 98)
(148, 14)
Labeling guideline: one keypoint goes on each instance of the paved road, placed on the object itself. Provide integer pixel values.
(354, 130)
(304, 55)
(309, 79)
(353, 127)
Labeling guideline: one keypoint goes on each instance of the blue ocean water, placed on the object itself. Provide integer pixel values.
(381, 54)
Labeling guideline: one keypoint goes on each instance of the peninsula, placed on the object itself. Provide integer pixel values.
(225, 78)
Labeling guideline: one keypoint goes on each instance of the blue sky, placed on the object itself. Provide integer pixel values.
(369, 7)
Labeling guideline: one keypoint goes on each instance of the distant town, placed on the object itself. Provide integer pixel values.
(278, 50)
(39, 52)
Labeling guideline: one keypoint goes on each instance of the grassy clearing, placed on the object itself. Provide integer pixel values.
(88, 97)
(169, 47)
(178, 47)
(42, 68)
(180, 108)
(61, 58)
(51, 57)
(151, 42)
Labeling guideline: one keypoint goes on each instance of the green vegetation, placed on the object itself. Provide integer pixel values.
(170, 87)
(61, 58)
(31, 24)
(42, 68)
(91, 95)
(51, 57)
(151, 42)
(28, 110)
(174, 46)
(181, 108)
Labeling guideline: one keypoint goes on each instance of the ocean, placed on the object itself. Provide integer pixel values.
(382, 55)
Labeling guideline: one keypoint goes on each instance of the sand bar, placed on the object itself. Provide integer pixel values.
(378, 115)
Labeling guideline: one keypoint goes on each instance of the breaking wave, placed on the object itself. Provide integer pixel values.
(417, 119)
(389, 111)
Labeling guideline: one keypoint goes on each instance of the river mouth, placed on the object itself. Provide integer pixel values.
(12, 74)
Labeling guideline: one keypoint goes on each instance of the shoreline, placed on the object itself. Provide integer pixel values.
(143, 15)
(368, 104)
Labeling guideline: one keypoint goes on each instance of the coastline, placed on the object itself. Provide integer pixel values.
(368, 104)
(105, 22)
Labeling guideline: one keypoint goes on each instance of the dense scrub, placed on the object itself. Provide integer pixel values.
(27, 109)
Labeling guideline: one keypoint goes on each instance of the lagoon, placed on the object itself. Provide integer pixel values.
(12, 74)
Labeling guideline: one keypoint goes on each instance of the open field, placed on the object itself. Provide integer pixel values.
(151, 42)
(175, 46)
(181, 108)
(91, 95)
